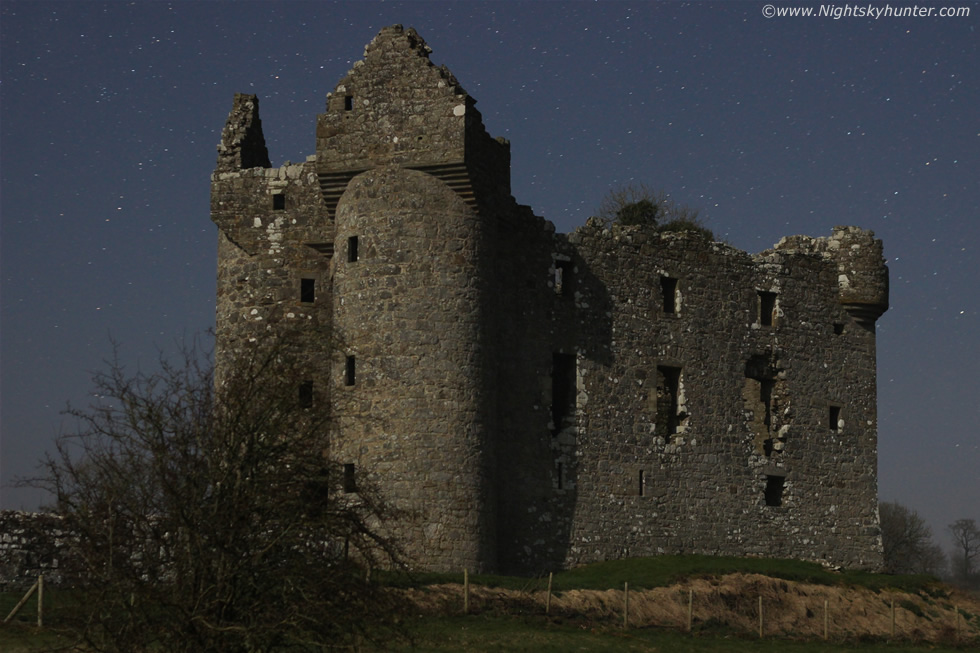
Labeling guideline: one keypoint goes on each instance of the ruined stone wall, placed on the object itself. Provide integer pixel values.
(31, 544)
(533, 400)
(708, 430)
(274, 252)
(534, 482)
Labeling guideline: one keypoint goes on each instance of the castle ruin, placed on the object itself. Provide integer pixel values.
(534, 400)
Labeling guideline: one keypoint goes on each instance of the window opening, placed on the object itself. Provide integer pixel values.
(350, 480)
(774, 490)
(348, 102)
(561, 477)
(307, 291)
(834, 419)
(563, 390)
(306, 394)
(563, 277)
(766, 404)
(765, 398)
(668, 286)
(767, 308)
(349, 371)
(670, 415)
(278, 202)
(352, 249)
(643, 485)
(838, 328)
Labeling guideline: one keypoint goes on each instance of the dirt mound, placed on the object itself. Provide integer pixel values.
(732, 601)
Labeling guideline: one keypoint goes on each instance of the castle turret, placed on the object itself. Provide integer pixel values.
(862, 276)
(414, 386)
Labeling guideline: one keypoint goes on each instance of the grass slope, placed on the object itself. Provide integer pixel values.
(518, 623)
(662, 571)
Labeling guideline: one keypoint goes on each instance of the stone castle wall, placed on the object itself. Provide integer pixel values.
(31, 544)
(532, 399)
(707, 430)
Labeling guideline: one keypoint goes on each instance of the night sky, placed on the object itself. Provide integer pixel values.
(111, 113)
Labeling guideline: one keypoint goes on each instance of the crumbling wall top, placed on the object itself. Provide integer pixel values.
(242, 143)
(862, 276)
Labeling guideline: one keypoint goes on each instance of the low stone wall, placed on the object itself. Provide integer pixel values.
(31, 544)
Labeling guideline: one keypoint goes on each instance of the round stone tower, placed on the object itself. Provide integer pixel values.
(413, 384)
(409, 176)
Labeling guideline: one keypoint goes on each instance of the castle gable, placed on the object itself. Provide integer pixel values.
(394, 106)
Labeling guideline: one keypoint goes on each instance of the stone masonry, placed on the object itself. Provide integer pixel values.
(534, 400)
(32, 544)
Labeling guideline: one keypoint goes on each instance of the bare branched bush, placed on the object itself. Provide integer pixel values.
(212, 518)
(907, 542)
(966, 537)
(638, 205)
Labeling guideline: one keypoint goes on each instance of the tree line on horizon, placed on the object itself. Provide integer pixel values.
(909, 547)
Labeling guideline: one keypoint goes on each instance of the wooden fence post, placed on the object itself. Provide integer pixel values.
(547, 604)
(21, 603)
(690, 609)
(40, 600)
(626, 605)
(893, 618)
(826, 619)
(760, 616)
(466, 591)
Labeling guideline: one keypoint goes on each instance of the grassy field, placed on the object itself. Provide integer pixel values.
(507, 612)
(499, 633)
(479, 633)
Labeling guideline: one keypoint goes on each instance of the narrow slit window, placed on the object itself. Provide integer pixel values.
(563, 277)
(766, 387)
(642, 484)
(278, 202)
(765, 396)
(352, 249)
(307, 291)
(563, 390)
(561, 477)
(670, 414)
(349, 371)
(767, 308)
(306, 394)
(774, 490)
(350, 478)
(834, 419)
(668, 286)
(348, 102)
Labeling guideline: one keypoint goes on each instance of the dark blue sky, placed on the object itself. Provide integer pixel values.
(111, 113)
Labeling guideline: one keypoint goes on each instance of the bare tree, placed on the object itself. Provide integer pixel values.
(933, 561)
(966, 536)
(907, 542)
(211, 518)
